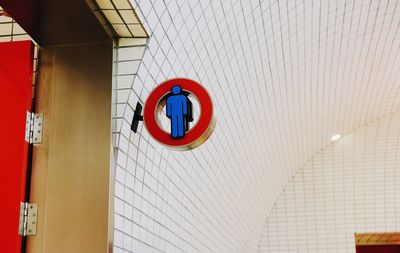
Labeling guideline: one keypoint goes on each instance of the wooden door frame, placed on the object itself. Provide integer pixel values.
(377, 242)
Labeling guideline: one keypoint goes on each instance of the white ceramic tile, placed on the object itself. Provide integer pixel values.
(284, 77)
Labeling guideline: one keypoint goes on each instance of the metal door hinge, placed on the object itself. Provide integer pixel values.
(27, 218)
(33, 128)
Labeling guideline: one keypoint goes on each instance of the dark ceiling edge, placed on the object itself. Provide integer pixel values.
(53, 22)
(93, 5)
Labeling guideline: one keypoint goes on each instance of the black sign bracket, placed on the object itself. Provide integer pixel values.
(137, 116)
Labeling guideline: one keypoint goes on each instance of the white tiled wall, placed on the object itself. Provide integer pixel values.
(284, 77)
(351, 186)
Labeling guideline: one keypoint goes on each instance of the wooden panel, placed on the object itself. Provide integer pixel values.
(378, 239)
(71, 170)
(16, 70)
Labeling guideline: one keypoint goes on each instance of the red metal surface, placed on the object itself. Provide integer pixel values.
(16, 70)
(378, 249)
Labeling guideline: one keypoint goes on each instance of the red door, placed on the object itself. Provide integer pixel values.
(16, 71)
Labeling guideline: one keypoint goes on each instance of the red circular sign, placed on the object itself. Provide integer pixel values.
(201, 130)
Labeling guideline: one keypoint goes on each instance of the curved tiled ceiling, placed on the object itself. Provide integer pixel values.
(285, 76)
(351, 186)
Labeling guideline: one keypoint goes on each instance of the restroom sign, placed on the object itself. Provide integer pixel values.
(172, 102)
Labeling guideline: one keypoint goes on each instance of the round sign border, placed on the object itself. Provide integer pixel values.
(195, 136)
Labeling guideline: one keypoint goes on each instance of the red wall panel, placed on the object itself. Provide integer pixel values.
(378, 249)
(16, 70)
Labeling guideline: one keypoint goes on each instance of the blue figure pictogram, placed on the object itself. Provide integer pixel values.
(179, 111)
